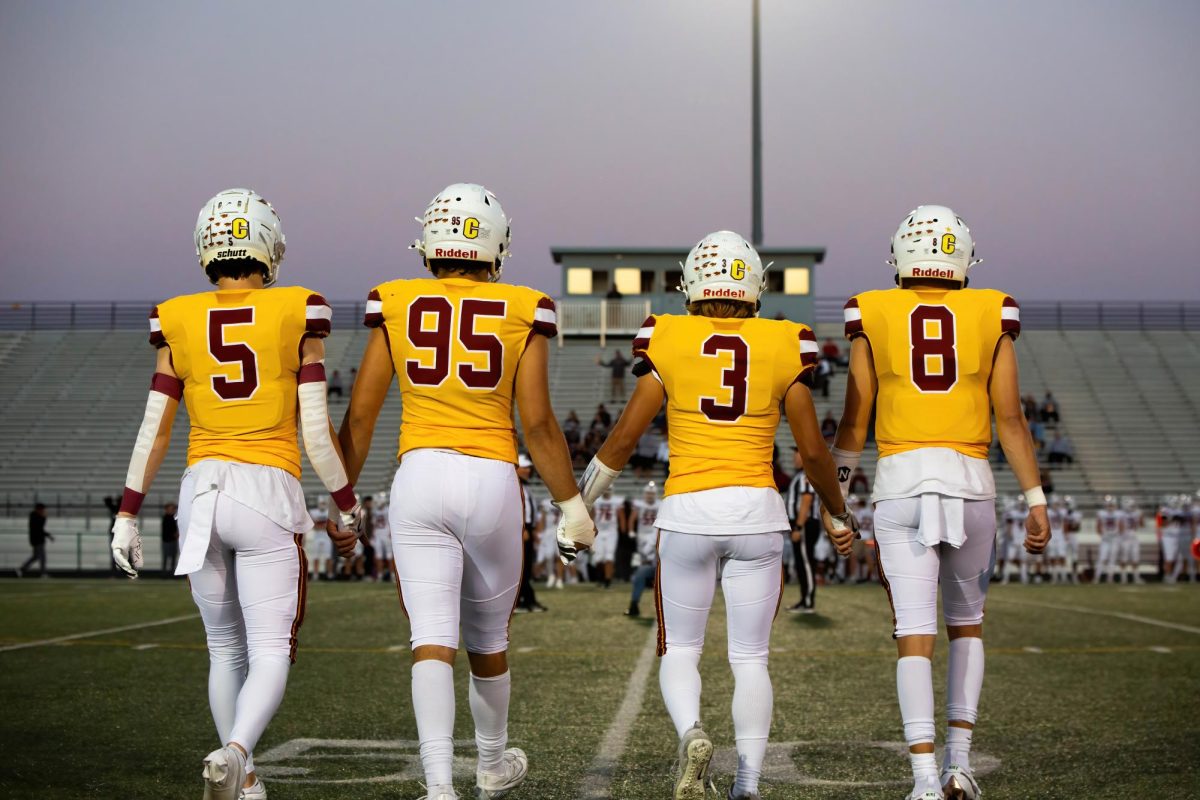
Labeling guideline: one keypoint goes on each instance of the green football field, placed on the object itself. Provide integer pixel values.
(1091, 692)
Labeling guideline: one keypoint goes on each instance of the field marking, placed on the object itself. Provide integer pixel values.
(1099, 613)
(596, 783)
(89, 634)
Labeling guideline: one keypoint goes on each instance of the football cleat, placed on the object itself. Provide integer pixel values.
(633, 611)
(695, 753)
(514, 765)
(256, 792)
(959, 784)
(224, 773)
(928, 794)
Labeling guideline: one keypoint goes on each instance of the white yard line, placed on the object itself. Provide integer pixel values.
(597, 781)
(1099, 613)
(103, 632)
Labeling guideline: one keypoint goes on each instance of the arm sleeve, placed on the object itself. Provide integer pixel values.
(163, 388)
(545, 318)
(318, 441)
(1010, 317)
(373, 317)
(642, 365)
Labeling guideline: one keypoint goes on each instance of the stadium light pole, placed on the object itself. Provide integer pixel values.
(756, 233)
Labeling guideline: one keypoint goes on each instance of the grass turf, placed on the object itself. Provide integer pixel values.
(1075, 704)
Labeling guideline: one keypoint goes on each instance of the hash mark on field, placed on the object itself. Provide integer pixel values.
(90, 634)
(596, 783)
(396, 648)
(1032, 649)
(1161, 649)
(144, 646)
(1097, 612)
(526, 649)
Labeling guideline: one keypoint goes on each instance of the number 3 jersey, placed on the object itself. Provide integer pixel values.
(455, 345)
(724, 380)
(238, 354)
(933, 352)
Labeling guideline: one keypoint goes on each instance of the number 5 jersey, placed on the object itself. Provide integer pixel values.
(933, 351)
(456, 344)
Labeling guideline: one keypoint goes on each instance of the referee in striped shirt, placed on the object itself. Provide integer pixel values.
(804, 509)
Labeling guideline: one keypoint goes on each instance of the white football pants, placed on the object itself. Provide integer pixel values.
(911, 572)
(456, 536)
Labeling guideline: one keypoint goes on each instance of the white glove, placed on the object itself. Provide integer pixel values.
(576, 531)
(596, 480)
(352, 520)
(127, 545)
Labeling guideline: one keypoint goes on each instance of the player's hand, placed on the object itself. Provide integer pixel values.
(796, 535)
(576, 531)
(127, 545)
(842, 530)
(1037, 530)
(345, 532)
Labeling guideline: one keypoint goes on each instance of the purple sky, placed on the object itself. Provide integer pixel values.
(1064, 132)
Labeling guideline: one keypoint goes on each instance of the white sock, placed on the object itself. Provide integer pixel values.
(924, 769)
(679, 680)
(259, 698)
(958, 747)
(753, 701)
(914, 685)
(489, 708)
(433, 706)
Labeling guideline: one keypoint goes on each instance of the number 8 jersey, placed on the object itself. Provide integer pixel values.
(455, 344)
(725, 380)
(933, 351)
(238, 355)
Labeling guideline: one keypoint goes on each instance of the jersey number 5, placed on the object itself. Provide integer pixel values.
(933, 350)
(735, 378)
(438, 339)
(232, 353)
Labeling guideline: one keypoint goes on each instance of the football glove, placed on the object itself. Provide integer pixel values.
(842, 529)
(575, 529)
(597, 479)
(348, 529)
(127, 545)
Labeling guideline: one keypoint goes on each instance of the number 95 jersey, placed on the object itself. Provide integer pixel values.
(933, 353)
(455, 345)
(238, 355)
(725, 380)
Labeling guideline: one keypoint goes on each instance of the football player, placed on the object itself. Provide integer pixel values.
(547, 544)
(1014, 523)
(645, 516)
(934, 357)
(318, 546)
(609, 511)
(1176, 536)
(1110, 524)
(1074, 524)
(466, 350)
(725, 374)
(1056, 551)
(1129, 549)
(863, 555)
(249, 361)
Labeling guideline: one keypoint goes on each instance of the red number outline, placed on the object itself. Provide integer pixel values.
(735, 378)
(921, 346)
(240, 353)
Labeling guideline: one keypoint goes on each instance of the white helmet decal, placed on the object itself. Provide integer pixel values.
(933, 242)
(465, 222)
(723, 266)
(239, 223)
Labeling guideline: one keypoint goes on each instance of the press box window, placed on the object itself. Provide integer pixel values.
(628, 280)
(579, 280)
(795, 280)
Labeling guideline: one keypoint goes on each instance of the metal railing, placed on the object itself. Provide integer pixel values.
(601, 317)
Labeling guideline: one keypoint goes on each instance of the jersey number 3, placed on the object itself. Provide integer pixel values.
(933, 350)
(232, 353)
(735, 378)
(438, 339)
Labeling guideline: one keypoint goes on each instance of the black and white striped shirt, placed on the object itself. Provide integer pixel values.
(797, 489)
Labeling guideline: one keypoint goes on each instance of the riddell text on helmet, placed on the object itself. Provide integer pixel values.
(932, 272)
(453, 252)
(736, 293)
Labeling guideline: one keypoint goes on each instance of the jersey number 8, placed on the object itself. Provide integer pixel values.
(934, 355)
(438, 340)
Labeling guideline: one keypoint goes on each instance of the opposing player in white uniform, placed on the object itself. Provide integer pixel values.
(547, 546)
(1177, 521)
(608, 515)
(249, 362)
(934, 358)
(864, 545)
(1110, 523)
(725, 375)
(1074, 524)
(1056, 551)
(1014, 524)
(381, 539)
(467, 351)
(1129, 549)
(318, 545)
(644, 529)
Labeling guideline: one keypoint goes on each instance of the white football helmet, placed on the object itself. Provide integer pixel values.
(651, 492)
(933, 242)
(239, 223)
(723, 266)
(465, 221)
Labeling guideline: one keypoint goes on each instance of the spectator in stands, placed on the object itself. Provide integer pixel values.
(1038, 431)
(1030, 406)
(1047, 482)
(1049, 410)
(833, 354)
(602, 420)
(37, 540)
(571, 433)
(859, 484)
(1060, 450)
(353, 378)
(335, 385)
(821, 377)
(170, 540)
(829, 427)
(591, 444)
(619, 365)
(642, 460)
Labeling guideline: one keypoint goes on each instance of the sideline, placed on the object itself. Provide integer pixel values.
(90, 634)
(1099, 613)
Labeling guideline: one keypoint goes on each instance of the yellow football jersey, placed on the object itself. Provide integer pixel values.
(933, 351)
(724, 380)
(237, 353)
(456, 344)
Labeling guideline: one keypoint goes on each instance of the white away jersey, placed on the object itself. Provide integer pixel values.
(606, 513)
